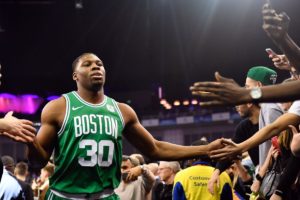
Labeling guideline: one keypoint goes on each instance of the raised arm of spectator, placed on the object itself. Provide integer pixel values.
(276, 26)
(19, 130)
(262, 171)
(282, 62)
(147, 176)
(231, 150)
(225, 91)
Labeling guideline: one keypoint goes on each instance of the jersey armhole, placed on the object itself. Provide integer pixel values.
(119, 112)
(67, 113)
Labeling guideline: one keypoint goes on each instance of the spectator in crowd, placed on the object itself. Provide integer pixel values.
(137, 180)
(21, 173)
(226, 92)
(244, 130)
(8, 163)
(10, 188)
(153, 167)
(258, 77)
(191, 183)
(239, 177)
(166, 171)
(139, 157)
(41, 184)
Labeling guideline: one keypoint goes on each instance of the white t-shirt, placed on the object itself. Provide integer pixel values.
(9, 186)
(295, 108)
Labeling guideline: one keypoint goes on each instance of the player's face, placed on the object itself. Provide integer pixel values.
(90, 72)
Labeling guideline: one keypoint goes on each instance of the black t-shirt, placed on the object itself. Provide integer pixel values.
(244, 130)
(162, 191)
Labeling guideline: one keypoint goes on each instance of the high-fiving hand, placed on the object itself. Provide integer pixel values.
(223, 91)
(19, 130)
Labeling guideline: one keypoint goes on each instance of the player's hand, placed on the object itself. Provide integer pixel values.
(224, 91)
(214, 180)
(216, 144)
(229, 152)
(20, 130)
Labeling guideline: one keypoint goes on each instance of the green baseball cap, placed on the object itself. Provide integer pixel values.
(263, 74)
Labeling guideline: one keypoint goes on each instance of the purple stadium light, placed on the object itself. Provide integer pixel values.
(26, 104)
(50, 98)
(30, 103)
(8, 102)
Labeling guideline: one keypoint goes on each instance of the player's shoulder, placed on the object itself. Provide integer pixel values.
(56, 103)
(55, 107)
(125, 108)
(127, 112)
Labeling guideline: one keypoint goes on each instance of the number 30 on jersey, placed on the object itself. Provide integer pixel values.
(95, 152)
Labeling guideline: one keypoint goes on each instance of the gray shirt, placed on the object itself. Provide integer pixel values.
(138, 189)
(269, 112)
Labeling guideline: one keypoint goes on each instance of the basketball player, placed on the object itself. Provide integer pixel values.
(85, 129)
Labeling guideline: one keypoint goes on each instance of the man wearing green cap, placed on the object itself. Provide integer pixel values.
(261, 74)
(257, 77)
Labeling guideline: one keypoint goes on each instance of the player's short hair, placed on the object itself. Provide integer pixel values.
(75, 62)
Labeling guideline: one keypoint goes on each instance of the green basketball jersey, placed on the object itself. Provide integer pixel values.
(88, 153)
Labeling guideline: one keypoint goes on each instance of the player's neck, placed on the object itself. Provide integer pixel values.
(94, 97)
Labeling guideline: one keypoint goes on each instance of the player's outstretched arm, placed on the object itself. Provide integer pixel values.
(40, 150)
(138, 136)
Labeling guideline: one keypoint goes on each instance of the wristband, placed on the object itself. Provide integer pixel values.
(279, 193)
(259, 178)
(144, 169)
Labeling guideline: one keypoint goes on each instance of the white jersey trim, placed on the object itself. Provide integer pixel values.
(90, 104)
(119, 112)
(62, 128)
(100, 195)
